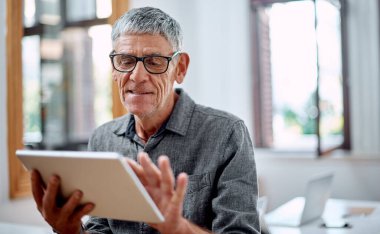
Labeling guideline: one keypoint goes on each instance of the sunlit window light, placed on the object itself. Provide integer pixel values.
(101, 47)
(293, 41)
(31, 89)
(103, 8)
(29, 12)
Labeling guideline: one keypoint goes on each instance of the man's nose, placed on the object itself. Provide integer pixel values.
(139, 74)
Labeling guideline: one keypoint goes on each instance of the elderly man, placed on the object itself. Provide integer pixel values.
(209, 152)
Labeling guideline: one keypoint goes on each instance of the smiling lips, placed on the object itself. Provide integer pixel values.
(138, 92)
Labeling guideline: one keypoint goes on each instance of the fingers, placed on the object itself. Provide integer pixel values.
(153, 174)
(161, 177)
(179, 195)
(167, 182)
(49, 200)
(37, 188)
(84, 210)
(70, 206)
(65, 218)
(160, 184)
(139, 171)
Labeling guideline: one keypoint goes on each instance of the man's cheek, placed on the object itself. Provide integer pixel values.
(114, 75)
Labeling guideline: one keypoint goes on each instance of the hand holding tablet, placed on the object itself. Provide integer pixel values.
(105, 178)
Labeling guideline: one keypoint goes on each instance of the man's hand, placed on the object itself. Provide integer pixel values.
(63, 219)
(159, 182)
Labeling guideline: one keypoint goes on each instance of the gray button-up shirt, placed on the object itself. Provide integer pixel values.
(213, 147)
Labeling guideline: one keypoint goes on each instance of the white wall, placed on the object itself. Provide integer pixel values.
(282, 178)
(364, 73)
(217, 37)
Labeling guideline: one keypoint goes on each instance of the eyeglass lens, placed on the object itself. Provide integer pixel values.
(153, 64)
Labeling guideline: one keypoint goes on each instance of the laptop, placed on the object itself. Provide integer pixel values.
(301, 210)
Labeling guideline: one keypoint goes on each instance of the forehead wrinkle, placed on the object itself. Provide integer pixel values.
(142, 45)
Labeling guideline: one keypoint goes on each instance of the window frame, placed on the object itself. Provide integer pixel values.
(19, 184)
(262, 138)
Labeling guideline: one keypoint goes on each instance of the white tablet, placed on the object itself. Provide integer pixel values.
(105, 179)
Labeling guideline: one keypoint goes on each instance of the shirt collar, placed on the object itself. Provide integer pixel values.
(178, 122)
(121, 124)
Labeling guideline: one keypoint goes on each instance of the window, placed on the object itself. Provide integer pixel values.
(299, 93)
(35, 25)
(67, 88)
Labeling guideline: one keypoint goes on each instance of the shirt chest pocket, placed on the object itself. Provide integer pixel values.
(198, 199)
(198, 182)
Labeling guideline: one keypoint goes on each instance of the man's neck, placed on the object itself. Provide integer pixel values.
(147, 126)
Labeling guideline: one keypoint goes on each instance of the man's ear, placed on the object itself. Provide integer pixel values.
(182, 66)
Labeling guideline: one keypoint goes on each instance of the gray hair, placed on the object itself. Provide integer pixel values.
(148, 20)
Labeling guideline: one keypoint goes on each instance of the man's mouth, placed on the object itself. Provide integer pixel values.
(138, 92)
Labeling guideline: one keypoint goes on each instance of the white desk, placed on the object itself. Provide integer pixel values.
(339, 209)
(12, 228)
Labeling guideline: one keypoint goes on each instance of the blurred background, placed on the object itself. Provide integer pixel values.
(302, 74)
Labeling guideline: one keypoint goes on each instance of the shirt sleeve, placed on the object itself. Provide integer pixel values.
(91, 142)
(96, 225)
(237, 190)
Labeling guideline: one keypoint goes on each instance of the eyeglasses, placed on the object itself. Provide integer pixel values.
(154, 64)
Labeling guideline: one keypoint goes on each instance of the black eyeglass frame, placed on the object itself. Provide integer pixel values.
(142, 59)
